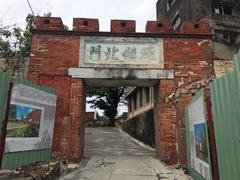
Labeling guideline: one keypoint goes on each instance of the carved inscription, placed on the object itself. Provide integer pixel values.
(126, 54)
(116, 50)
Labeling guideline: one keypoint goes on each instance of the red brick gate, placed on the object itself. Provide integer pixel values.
(55, 50)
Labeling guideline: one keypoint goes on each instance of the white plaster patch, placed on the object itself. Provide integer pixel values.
(202, 42)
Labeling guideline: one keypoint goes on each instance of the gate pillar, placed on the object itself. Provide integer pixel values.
(77, 114)
(165, 122)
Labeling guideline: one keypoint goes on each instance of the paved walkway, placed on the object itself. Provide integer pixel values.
(115, 156)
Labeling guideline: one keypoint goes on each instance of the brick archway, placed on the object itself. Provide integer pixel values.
(56, 61)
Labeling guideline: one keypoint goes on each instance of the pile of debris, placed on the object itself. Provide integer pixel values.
(43, 170)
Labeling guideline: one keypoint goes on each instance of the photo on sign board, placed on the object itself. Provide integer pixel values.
(23, 121)
(201, 142)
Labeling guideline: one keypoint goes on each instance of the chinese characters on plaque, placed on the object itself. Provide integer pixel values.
(114, 53)
(120, 50)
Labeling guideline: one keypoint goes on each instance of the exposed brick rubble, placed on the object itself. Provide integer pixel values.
(222, 67)
(190, 56)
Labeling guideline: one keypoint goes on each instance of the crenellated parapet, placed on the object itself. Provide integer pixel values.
(85, 25)
(159, 27)
(121, 26)
(48, 23)
(201, 27)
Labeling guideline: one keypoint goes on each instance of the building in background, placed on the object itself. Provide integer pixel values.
(224, 19)
(140, 118)
(139, 100)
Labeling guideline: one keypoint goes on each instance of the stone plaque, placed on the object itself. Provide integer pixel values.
(121, 52)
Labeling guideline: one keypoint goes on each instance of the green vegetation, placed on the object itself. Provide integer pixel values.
(15, 124)
(26, 131)
(15, 44)
(106, 99)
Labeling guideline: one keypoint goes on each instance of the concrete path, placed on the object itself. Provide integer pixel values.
(115, 156)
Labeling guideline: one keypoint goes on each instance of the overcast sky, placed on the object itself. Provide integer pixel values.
(15, 11)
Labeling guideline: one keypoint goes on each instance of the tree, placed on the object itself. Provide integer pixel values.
(24, 37)
(106, 99)
(5, 47)
(15, 45)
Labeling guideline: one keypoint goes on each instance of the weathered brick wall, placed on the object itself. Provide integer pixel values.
(54, 52)
(192, 61)
(191, 58)
(165, 120)
(51, 57)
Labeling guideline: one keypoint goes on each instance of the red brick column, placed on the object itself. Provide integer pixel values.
(165, 122)
(77, 113)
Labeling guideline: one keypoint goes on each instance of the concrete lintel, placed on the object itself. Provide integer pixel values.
(121, 74)
(120, 77)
